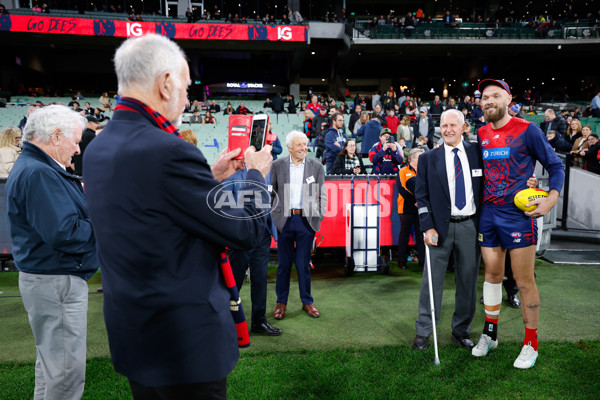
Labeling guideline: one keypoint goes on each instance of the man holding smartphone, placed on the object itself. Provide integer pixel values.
(385, 155)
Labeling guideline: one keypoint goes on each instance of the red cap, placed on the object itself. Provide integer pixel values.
(497, 82)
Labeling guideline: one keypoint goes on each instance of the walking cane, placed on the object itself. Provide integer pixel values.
(435, 345)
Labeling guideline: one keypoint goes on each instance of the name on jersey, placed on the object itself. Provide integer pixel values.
(491, 154)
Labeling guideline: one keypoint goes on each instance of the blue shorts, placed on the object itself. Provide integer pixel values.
(506, 227)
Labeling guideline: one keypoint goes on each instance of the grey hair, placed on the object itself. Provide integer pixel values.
(459, 115)
(294, 135)
(550, 111)
(414, 152)
(140, 61)
(44, 121)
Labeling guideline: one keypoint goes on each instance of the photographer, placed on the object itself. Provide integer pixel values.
(385, 155)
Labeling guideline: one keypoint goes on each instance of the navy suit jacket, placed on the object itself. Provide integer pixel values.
(430, 131)
(432, 191)
(166, 306)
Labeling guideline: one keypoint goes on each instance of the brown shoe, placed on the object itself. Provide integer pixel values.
(279, 312)
(311, 310)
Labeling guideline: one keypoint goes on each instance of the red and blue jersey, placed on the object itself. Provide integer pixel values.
(314, 108)
(509, 156)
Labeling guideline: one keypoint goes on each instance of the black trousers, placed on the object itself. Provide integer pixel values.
(191, 391)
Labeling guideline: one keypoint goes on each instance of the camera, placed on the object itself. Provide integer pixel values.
(390, 139)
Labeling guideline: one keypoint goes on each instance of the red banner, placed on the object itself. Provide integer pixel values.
(106, 27)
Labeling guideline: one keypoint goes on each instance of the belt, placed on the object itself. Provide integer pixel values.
(295, 211)
(462, 218)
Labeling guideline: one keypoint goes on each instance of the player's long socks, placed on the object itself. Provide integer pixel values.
(531, 338)
(492, 300)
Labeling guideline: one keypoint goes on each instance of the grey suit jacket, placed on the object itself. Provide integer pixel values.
(314, 196)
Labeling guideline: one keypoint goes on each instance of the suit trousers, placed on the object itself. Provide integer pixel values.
(462, 238)
(295, 231)
(191, 391)
(57, 309)
(257, 260)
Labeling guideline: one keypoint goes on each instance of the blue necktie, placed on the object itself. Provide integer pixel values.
(459, 180)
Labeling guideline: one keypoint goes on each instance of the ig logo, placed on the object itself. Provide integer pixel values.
(134, 29)
(284, 33)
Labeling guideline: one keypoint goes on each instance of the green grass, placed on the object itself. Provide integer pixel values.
(360, 347)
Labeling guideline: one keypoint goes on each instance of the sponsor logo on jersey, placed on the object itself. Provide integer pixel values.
(516, 234)
(493, 154)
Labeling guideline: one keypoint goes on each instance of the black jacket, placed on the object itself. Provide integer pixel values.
(558, 124)
(340, 162)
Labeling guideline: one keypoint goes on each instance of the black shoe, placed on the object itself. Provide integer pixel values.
(265, 328)
(481, 300)
(465, 342)
(514, 301)
(421, 343)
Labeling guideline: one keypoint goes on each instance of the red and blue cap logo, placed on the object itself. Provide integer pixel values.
(497, 82)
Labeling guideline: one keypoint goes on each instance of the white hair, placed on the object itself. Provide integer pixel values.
(459, 115)
(44, 121)
(415, 152)
(140, 61)
(294, 135)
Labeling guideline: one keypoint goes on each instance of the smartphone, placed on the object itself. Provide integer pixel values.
(390, 139)
(260, 123)
(240, 128)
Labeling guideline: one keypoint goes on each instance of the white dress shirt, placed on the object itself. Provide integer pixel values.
(296, 176)
(469, 208)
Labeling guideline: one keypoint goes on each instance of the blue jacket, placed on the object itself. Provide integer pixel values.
(48, 221)
(370, 133)
(332, 149)
(166, 306)
(476, 114)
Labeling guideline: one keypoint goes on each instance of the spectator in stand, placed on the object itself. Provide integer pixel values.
(45, 9)
(292, 106)
(319, 123)
(595, 106)
(36, 8)
(552, 123)
(228, 110)
(379, 114)
(579, 145)
(436, 109)
(411, 110)
(392, 122)
(370, 135)
(451, 104)
(376, 101)
(193, 106)
(24, 119)
(405, 132)
(208, 118)
(308, 118)
(466, 103)
(243, 110)
(348, 162)
(358, 100)
(213, 107)
(362, 120)
(189, 16)
(354, 116)
(591, 155)
(88, 108)
(196, 118)
(335, 138)
(10, 148)
(390, 97)
(343, 108)
(385, 155)
(3, 10)
(407, 209)
(105, 102)
(278, 104)
(574, 131)
(86, 137)
(268, 104)
(314, 105)
(558, 143)
(75, 106)
(477, 114)
(189, 136)
(100, 116)
(276, 148)
(423, 127)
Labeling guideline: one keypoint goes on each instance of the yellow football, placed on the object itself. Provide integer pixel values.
(527, 196)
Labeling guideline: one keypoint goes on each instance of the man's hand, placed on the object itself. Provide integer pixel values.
(385, 146)
(532, 182)
(544, 205)
(431, 237)
(426, 140)
(260, 160)
(225, 165)
(356, 170)
(393, 146)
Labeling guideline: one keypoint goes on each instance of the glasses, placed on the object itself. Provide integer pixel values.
(351, 145)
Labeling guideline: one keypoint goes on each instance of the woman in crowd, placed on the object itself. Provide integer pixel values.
(308, 117)
(405, 131)
(362, 120)
(10, 141)
(105, 102)
(581, 143)
(348, 162)
(412, 110)
(574, 131)
(189, 136)
(229, 110)
(208, 119)
(591, 154)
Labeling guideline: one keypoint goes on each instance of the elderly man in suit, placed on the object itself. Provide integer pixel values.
(299, 204)
(154, 204)
(448, 193)
(425, 127)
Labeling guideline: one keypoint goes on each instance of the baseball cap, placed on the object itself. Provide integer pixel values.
(423, 109)
(514, 107)
(487, 82)
(91, 118)
(384, 131)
